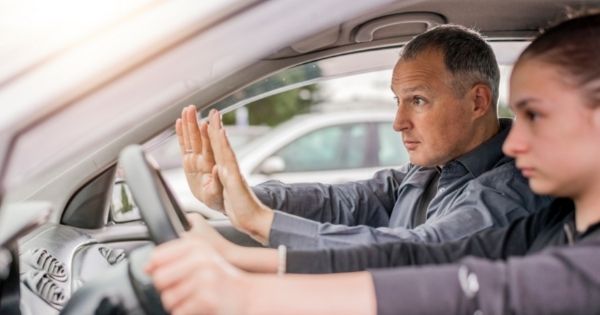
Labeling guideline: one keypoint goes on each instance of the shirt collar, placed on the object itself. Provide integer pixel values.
(487, 154)
(593, 229)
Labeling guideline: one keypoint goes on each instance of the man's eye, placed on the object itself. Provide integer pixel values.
(418, 101)
(396, 100)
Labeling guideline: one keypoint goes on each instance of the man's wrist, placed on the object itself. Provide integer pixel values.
(260, 225)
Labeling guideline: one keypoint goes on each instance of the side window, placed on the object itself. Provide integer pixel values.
(355, 145)
(330, 148)
(391, 151)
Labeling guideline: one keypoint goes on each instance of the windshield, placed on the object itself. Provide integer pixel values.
(61, 50)
(51, 26)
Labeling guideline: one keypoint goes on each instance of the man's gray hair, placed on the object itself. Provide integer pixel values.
(466, 55)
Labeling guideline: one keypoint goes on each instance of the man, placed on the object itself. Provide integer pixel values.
(458, 181)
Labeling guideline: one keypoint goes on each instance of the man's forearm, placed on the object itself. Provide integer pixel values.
(353, 203)
(350, 293)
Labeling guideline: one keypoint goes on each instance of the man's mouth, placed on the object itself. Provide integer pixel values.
(411, 145)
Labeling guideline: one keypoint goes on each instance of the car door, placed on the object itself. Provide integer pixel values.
(332, 154)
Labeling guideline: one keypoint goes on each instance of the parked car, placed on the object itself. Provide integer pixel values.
(325, 147)
(328, 147)
(77, 90)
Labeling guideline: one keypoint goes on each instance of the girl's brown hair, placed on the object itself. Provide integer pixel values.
(573, 46)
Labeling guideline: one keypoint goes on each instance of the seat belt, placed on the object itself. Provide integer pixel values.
(421, 214)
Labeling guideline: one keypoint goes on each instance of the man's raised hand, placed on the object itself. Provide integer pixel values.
(198, 160)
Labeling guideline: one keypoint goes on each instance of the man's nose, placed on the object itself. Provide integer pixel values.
(402, 119)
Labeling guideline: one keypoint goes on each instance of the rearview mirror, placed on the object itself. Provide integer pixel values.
(271, 165)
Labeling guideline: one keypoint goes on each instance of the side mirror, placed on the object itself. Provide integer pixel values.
(271, 165)
(123, 209)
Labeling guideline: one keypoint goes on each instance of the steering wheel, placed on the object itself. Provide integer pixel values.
(127, 286)
(157, 205)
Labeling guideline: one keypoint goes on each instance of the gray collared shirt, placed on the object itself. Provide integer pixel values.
(478, 190)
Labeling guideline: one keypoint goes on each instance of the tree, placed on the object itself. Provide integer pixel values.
(273, 110)
(126, 205)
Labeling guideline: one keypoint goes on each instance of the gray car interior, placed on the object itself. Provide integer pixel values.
(80, 241)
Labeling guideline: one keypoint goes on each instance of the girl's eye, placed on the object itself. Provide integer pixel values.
(531, 115)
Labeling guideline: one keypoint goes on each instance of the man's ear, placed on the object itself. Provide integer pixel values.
(480, 96)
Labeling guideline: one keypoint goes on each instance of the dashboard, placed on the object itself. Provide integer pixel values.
(57, 260)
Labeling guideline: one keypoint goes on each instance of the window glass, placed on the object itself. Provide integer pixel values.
(355, 146)
(330, 148)
(391, 150)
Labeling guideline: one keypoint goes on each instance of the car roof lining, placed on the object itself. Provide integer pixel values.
(403, 20)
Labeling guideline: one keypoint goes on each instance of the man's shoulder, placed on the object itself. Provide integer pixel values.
(502, 175)
(504, 168)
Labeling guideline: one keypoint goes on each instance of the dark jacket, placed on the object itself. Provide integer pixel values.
(553, 279)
